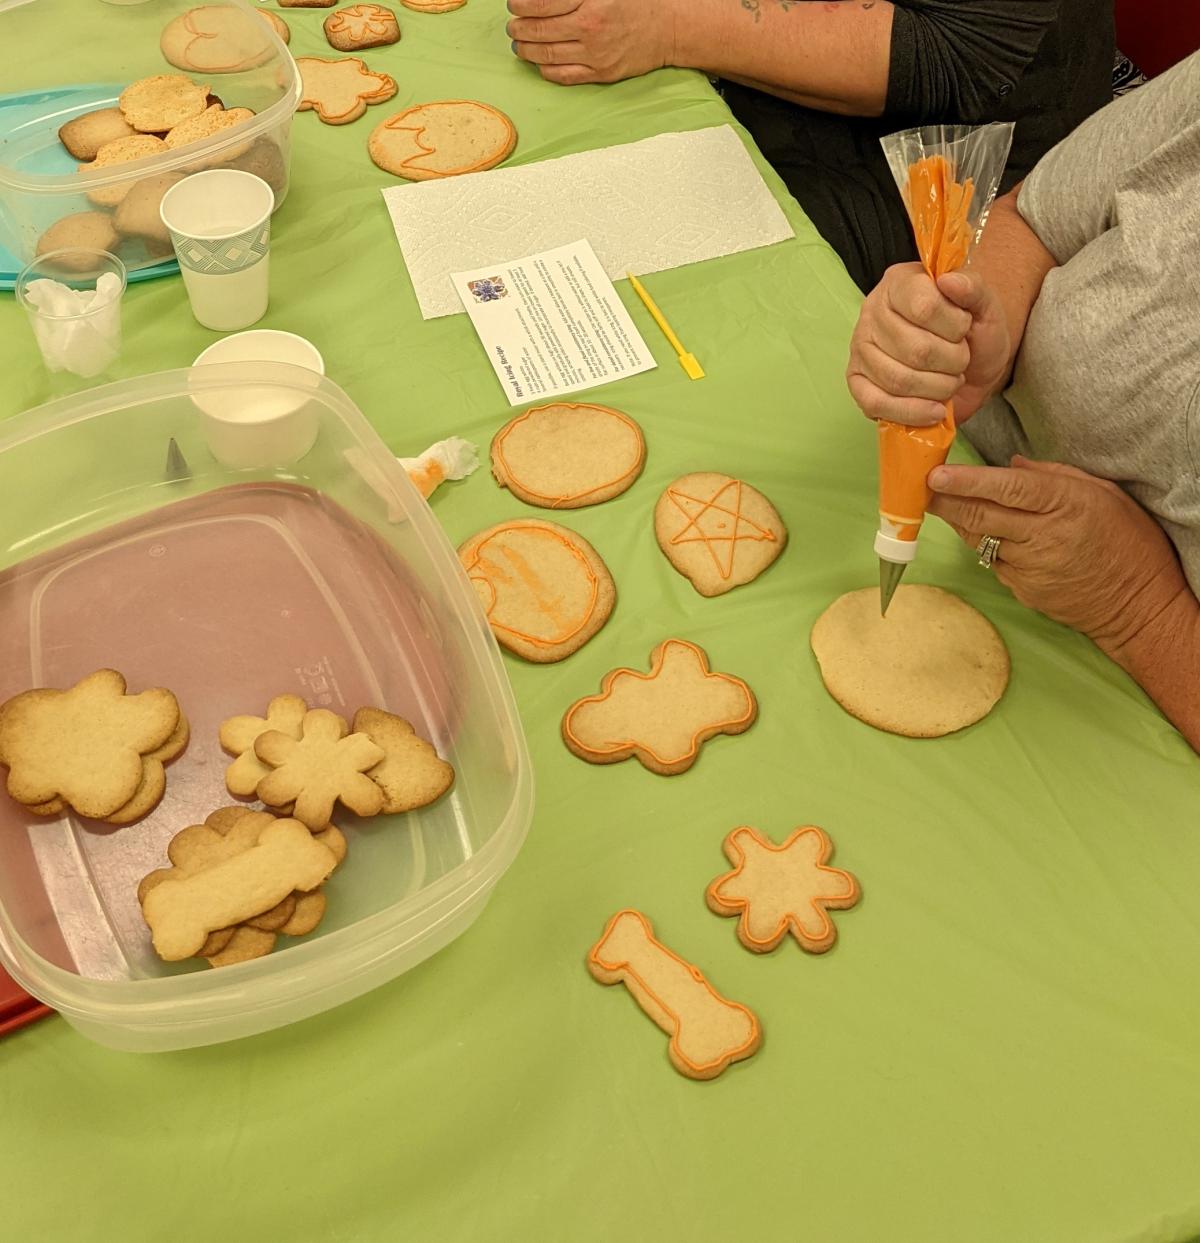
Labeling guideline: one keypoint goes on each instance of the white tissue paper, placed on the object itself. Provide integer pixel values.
(88, 342)
(645, 207)
(451, 459)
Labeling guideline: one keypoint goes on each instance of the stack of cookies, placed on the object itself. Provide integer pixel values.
(154, 116)
(245, 877)
(236, 884)
(93, 748)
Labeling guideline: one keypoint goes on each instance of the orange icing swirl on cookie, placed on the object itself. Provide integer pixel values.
(489, 572)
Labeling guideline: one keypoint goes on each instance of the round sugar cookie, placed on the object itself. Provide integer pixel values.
(215, 39)
(433, 6)
(567, 455)
(155, 105)
(545, 589)
(717, 531)
(933, 665)
(442, 139)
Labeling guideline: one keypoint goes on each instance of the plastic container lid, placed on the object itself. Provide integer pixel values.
(330, 578)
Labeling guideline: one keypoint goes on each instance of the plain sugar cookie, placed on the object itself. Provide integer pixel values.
(442, 139)
(933, 665)
(567, 455)
(545, 590)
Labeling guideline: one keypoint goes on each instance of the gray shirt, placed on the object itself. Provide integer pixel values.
(1108, 374)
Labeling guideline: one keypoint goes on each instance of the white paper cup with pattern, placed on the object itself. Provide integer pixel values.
(220, 226)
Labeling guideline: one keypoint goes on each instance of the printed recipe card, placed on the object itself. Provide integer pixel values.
(552, 323)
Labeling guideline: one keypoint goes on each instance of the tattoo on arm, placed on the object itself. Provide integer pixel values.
(754, 7)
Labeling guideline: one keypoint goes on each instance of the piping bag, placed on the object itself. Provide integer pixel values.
(947, 176)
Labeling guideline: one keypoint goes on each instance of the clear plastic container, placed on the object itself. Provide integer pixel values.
(110, 47)
(126, 545)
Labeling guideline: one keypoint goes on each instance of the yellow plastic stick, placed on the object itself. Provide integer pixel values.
(686, 361)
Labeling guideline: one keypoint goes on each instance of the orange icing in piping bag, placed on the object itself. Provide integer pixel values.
(939, 208)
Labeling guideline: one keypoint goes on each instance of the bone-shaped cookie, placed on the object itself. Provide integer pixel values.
(707, 1032)
(182, 911)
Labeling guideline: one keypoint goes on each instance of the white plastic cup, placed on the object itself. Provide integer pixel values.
(75, 333)
(220, 225)
(253, 427)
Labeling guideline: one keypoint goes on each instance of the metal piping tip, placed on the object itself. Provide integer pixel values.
(176, 468)
(890, 574)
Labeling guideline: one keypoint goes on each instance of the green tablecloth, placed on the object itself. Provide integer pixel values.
(1002, 1046)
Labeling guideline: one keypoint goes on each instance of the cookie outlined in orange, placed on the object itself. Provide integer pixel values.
(663, 717)
(215, 39)
(717, 531)
(340, 90)
(544, 588)
(361, 26)
(446, 138)
(774, 890)
(708, 1032)
(595, 451)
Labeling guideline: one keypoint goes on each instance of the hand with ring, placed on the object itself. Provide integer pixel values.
(1072, 546)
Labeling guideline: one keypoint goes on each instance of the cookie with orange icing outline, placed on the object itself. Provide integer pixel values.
(215, 39)
(568, 454)
(433, 6)
(546, 591)
(663, 717)
(774, 890)
(340, 90)
(717, 531)
(442, 139)
(360, 26)
(708, 1032)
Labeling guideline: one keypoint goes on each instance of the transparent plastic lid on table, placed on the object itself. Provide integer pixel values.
(126, 545)
(225, 45)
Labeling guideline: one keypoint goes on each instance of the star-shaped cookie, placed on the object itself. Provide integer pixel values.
(775, 890)
(662, 717)
(717, 531)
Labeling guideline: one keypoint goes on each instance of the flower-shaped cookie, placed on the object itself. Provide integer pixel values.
(320, 768)
(780, 889)
(238, 734)
(662, 717)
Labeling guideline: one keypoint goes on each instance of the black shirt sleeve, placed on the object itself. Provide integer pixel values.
(959, 60)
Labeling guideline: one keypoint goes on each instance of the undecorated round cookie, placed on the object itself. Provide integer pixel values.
(567, 455)
(85, 230)
(717, 531)
(442, 139)
(545, 589)
(155, 105)
(933, 665)
(85, 135)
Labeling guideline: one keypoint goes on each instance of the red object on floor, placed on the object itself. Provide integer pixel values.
(1156, 34)
(16, 1006)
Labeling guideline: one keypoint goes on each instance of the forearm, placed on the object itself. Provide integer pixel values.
(1012, 260)
(1163, 657)
(833, 56)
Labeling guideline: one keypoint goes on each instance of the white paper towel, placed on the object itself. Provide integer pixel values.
(645, 206)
